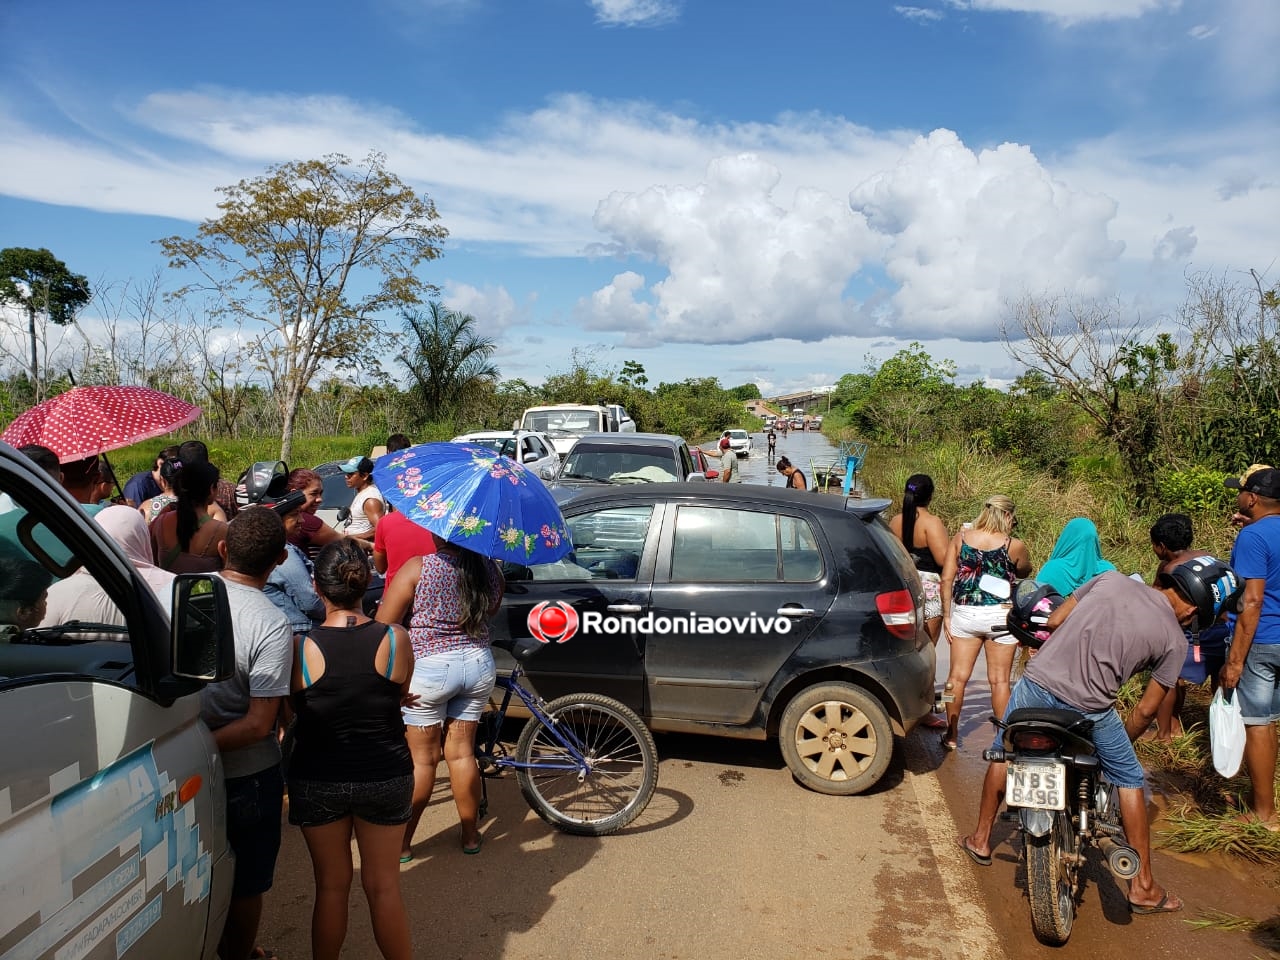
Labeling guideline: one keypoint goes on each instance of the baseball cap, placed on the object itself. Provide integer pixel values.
(1238, 483)
(357, 465)
(1264, 482)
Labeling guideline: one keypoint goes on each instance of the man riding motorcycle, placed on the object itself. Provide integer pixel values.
(1108, 630)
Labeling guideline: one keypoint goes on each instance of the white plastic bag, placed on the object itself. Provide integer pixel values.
(1226, 733)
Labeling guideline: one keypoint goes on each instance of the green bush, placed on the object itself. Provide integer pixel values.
(1195, 490)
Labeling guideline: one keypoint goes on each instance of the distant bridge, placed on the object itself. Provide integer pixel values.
(813, 400)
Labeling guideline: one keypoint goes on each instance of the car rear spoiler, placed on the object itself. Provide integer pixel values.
(866, 507)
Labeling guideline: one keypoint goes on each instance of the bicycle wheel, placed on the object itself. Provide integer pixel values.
(622, 767)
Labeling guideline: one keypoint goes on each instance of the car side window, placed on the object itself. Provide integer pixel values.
(718, 544)
(44, 587)
(607, 545)
(801, 556)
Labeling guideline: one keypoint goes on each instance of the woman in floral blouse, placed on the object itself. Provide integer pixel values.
(450, 596)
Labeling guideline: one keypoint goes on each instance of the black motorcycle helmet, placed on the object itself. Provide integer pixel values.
(265, 481)
(1208, 583)
(1032, 604)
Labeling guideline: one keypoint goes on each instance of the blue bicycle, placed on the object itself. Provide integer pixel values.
(585, 763)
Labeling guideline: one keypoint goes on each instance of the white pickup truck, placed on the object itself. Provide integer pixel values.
(112, 794)
(564, 423)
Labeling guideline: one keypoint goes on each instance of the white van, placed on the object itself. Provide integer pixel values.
(564, 423)
(112, 803)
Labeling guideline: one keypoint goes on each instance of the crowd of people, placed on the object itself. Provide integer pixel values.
(1106, 628)
(345, 714)
(378, 698)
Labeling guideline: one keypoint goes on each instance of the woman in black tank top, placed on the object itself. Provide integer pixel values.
(350, 773)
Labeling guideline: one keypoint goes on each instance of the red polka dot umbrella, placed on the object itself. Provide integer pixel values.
(87, 421)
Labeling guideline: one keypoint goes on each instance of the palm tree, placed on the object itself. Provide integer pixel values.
(449, 362)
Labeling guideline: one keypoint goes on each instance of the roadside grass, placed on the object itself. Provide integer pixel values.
(1265, 933)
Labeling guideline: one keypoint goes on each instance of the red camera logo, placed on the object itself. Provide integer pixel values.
(553, 622)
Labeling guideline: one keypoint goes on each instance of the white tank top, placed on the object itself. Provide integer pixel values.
(359, 519)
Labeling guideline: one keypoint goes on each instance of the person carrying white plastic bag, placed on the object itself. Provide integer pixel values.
(1226, 733)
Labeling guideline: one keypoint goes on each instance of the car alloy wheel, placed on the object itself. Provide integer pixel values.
(836, 738)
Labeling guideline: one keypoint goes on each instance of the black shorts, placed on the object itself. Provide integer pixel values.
(314, 803)
(254, 804)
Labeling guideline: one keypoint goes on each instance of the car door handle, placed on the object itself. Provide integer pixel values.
(624, 608)
(795, 612)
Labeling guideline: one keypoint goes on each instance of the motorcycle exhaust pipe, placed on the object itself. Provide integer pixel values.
(1121, 858)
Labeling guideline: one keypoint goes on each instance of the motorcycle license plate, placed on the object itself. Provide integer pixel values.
(1038, 785)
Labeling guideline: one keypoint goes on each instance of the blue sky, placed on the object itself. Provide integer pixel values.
(759, 191)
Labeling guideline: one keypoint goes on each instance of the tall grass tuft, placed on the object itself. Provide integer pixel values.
(1190, 831)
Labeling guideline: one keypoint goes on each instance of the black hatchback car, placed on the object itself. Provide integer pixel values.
(737, 611)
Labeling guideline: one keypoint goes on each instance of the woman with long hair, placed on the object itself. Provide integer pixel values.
(795, 477)
(983, 560)
(185, 537)
(925, 537)
(450, 596)
(350, 773)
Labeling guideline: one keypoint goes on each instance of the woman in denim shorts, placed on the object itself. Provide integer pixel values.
(449, 596)
(350, 771)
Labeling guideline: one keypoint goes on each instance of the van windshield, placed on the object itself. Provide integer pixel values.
(563, 422)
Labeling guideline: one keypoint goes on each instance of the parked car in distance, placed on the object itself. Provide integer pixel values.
(702, 464)
(536, 451)
(736, 611)
(739, 441)
(600, 459)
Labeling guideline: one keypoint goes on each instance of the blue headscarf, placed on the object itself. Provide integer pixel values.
(1076, 557)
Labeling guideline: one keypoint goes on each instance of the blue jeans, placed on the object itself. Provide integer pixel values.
(1119, 763)
(1259, 687)
(454, 685)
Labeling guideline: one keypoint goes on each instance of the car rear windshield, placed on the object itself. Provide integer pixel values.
(889, 545)
(636, 463)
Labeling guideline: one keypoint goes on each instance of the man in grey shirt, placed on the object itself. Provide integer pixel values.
(242, 712)
(1107, 631)
(728, 462)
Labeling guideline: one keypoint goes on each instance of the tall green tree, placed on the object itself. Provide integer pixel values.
(449, 362)
(40, 285)
(295, 250)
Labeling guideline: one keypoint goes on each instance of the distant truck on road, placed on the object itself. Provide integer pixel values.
(564, 423)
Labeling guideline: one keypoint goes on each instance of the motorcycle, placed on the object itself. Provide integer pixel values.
(1055, 791)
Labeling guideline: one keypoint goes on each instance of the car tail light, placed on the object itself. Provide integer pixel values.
(1034, 740)
(898, 611)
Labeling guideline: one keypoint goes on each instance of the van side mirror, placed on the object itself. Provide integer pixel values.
(201, 640)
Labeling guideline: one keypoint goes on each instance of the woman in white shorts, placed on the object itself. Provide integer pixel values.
(452, 593)
(983, 561)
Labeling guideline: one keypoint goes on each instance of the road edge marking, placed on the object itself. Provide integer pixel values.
(974, 935)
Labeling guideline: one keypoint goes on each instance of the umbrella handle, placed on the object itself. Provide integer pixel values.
(119, 489)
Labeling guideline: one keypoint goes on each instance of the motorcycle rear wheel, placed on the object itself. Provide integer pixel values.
(1050, 885)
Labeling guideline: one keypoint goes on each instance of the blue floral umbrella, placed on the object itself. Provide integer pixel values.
(472, 496)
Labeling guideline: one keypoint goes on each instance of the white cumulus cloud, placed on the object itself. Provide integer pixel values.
(634, 13)
(741, 266)
(969, 231)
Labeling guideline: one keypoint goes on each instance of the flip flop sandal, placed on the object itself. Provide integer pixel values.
(263, 953)
(1141, 910)
(978, 858)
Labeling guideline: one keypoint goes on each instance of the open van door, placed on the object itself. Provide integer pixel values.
(112, 802)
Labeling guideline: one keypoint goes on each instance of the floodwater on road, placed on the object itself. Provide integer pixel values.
(806, 449)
